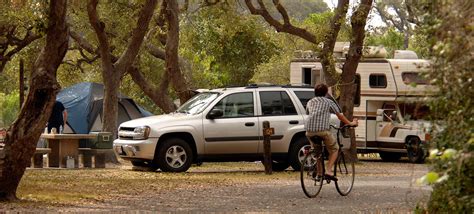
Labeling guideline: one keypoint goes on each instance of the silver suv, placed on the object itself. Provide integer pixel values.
(221, 125)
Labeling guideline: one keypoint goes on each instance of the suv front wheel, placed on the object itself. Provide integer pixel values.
(296, 154)
(174, 155)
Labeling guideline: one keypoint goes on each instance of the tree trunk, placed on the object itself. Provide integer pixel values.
(406, 40)
(20, 142)
(327, 59)
(112, 70)
(348, 88)
(110, 105)
(171, 50)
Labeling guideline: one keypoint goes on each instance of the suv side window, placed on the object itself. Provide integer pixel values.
(304, 96)
(276, 103)
(236, 105)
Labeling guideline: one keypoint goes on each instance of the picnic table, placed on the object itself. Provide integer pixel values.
(64, 146)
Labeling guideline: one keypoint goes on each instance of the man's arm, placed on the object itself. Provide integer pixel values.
(64, 117)
(345, 120)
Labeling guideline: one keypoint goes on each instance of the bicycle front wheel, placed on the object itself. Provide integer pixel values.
(310, 181)
(344, 171)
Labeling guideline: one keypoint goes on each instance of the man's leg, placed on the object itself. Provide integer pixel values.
(332, 148)
(317, 148)
(331, 161)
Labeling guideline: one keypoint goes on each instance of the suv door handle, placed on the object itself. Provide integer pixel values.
(294, 122)
(249, 124)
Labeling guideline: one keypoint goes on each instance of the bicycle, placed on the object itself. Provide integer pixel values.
(313, 161)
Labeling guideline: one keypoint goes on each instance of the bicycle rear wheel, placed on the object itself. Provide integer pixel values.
(310, 181)
(344, 170)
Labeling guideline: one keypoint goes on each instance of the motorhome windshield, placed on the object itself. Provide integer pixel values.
(414, 111)
(198, 103)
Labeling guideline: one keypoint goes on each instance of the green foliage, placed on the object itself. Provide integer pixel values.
(391, 39)
(9, 108)
(225, 47)
(319, 25)
(23, 15)
(450, 38)
(420, 44)
(300, 9)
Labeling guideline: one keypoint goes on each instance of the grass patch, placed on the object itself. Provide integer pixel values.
(69, 187)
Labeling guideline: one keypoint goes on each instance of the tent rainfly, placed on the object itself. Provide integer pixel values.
(83, 103)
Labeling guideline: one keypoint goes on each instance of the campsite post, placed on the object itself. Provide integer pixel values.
(267, 155)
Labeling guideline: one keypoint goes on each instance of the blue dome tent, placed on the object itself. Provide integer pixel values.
(83, 103)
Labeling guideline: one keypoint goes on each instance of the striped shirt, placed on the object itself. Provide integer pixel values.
(319, 113)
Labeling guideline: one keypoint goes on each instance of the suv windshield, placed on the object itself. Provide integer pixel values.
(198, 103)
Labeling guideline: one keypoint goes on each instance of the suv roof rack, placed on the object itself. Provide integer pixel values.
(274, 85)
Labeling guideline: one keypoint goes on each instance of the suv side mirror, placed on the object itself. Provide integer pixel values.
(215, 113)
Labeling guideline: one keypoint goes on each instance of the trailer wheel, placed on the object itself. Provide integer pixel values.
(390, 156)
(415, 150)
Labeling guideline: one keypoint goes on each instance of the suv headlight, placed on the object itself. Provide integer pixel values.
(141, 132)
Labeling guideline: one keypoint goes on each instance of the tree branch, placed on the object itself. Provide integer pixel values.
(138, 35)
(387, 18)
(99, 28)
(12, 40)
(287, 27)
(159, 94)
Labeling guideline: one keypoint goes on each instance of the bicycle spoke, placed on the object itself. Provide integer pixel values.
(310, 181)
(344, 171)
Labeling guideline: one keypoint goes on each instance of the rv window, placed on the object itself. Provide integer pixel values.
(413, 77)
(378, 81)
(276, 103)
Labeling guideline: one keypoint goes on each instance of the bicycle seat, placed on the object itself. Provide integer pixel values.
(316, 139)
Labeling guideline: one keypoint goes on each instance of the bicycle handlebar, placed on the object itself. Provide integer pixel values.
(342, 127)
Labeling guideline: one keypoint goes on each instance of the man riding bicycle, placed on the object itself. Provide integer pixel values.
(319, 110)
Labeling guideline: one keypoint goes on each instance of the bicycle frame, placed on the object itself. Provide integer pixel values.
(317, 171)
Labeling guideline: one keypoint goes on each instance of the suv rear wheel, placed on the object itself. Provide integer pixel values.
(296, 154)
(174, 155)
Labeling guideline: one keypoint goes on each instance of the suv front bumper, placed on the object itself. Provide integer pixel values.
(135, 149)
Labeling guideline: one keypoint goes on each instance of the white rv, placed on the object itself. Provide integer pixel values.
(388, 103)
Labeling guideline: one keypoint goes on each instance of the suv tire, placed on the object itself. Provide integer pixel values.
(139, 165)
(174, 155)
(296, 153)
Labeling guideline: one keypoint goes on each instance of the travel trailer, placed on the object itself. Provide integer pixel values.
(388, 102)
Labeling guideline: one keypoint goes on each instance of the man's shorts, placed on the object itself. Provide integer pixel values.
(328, 139)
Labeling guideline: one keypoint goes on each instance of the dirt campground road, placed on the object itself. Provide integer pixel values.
(243, 187)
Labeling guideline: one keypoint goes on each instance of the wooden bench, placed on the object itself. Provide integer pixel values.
(98, 154)
(37, 158)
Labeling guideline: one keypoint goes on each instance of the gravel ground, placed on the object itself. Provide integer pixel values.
(379, 188)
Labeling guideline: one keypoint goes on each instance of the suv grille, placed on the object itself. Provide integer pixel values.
(126, 133)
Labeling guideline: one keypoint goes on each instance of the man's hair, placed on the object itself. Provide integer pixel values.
(320, 90)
